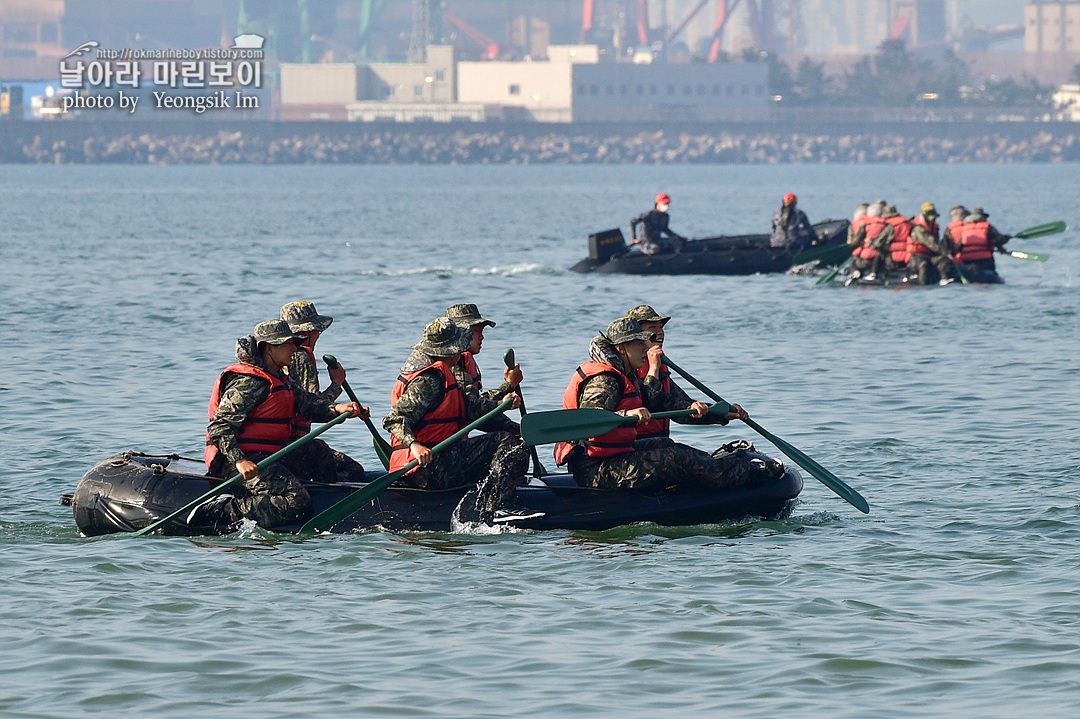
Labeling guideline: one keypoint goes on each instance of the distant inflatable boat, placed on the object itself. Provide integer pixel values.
(723, 255)
(129, 491)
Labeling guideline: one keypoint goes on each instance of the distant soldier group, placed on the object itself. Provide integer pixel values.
(884, 241)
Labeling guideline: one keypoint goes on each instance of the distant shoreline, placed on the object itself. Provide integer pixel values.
(219, 142)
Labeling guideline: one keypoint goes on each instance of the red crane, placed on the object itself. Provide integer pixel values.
(489, 46)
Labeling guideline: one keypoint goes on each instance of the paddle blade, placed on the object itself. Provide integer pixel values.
(819, 473)
(325, 520)
(1050, 228)
(1032, 256)
(567, 425)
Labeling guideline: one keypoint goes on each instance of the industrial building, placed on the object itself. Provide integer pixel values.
(571, 86)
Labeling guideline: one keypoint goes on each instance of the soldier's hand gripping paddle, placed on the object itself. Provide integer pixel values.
(326, 519)
(1050, 228)
(823, 475)
(382, 447)
(219, 489)
(508, 360)
(567, 425)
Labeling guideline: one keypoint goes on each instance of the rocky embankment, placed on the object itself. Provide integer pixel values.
(447, 146)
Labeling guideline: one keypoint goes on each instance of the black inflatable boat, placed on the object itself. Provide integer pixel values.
(128, 491)
(723, 255)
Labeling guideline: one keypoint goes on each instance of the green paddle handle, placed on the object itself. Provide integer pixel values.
(382, 447)
(219, 489)
(508, 360)
(821, 474)
(325, 520)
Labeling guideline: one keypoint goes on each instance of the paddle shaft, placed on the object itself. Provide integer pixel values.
(508, 360)
(831, 274)
(382, 447)
(569, 425)
(219, 489)
(805, 461)
(326, 519)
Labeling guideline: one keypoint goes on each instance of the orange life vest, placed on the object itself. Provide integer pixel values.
(874, 227)
(438, 423)
(302, 426)
(619, 440)
(917, 248)
(469, 363)
(902, 231)
(655, 427)
(975, 244)
(269, 426)
(955, 229)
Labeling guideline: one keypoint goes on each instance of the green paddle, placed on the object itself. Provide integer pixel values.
(326, 519)
(1050, 228)
(567, 425)
(823, 475)
(219, 489)
(1033, 256)
(508, 360)
(825, 256)
(828, 276)
(382, 447)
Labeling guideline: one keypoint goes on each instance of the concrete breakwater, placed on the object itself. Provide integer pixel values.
(466, 146)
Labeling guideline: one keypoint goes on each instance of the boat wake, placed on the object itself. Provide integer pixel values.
(505, 271)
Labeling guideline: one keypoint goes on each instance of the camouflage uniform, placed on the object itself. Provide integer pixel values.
(468, 316)
(495, 462)
(928, 269)
(654, 462)
(982, 270)
(316, 461)
(790, 228)
(275, 496)
(658, 236)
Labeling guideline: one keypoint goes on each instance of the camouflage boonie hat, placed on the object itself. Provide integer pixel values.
(467, 315)
(979, 211)
(275, 332)
(627, 329)
(645, 313)
(443, 338)
(303, 317)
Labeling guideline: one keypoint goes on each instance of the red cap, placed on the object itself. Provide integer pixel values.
(663, 197)
(789, 198)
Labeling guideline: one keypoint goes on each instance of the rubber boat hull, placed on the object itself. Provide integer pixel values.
(129, 491)
(723, 255)
(896, 279)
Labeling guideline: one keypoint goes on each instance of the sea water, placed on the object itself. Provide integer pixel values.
(952, 409)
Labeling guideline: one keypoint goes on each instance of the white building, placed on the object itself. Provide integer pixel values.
(572, 86)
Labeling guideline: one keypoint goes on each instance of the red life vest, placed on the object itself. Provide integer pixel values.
(975, 244)
(469, 363)
(619, 440)
(438, 423)
(874, 227)
(302, 426)
(902, 231)
(857, 223)
(269, 426)
(917, 248)
(955, 229)
(655, 427)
